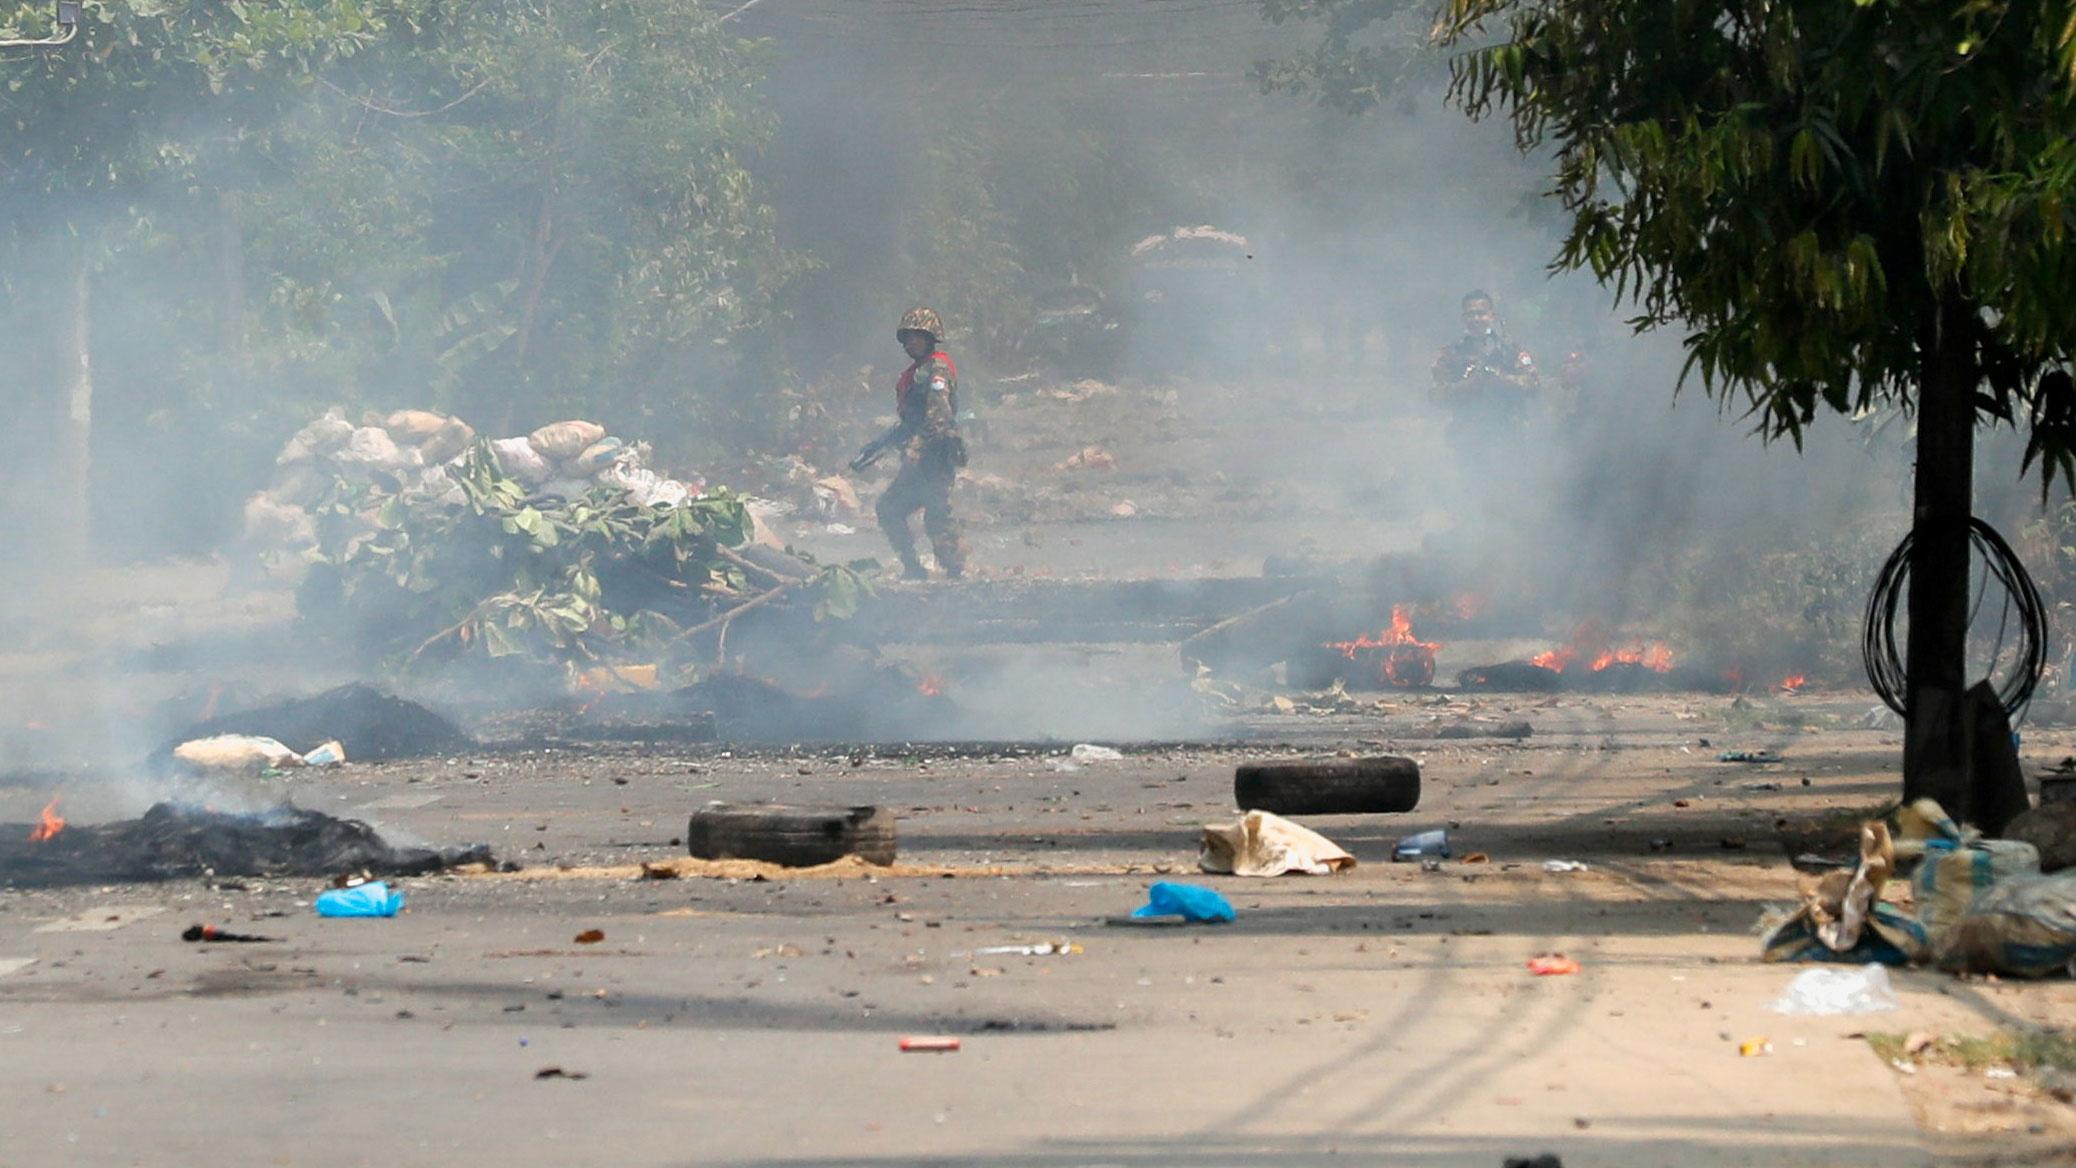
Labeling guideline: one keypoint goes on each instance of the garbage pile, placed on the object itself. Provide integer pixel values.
(175, 841)
(427, 543)
(1974, 905)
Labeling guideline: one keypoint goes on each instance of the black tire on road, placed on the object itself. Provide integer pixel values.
(1329, 786)
(796, 837)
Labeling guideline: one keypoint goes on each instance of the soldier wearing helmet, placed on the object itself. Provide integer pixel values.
(926, 399)
(1485, 381)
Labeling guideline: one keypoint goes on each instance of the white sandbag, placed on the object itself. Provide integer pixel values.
(236, 752)
(596, 457)
(644, 487)
(300, 484)
(1261, 844)
(370, 448)
(521, 461)
(562, 441)
(272, 523)
(449, 440)
(324, 436)
(411, 427)
(432, 484)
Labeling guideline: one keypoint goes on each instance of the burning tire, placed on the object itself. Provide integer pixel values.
(1332, 786)
(795, 837)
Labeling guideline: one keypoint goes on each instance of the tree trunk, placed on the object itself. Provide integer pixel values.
(75, 479)
(1935, 742)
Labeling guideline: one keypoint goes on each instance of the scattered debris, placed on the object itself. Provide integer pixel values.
(210, 933)
(589, 937)
(1754, 1047)
(1748, 756)
(929, 1044)
(1042, 949)
(1546, 1160)
(1085, 753)
(559, 1073)
(1263, 844)
(1563, 866)
(1088, 458)
(1552, 965)
(1827, 992)
(1189, 902)
(1515, 730)
(373, 899)
(1427, 844)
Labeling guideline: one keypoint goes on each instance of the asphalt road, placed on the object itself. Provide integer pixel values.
(1380, 1016)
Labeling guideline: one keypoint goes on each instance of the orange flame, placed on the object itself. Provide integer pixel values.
(48, 824)
(1555, 660)
(1655, 657)
(1793, 683)
(1410, 660)
(930, 686)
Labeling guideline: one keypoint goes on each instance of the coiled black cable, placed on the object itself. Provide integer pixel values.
(1885, 662)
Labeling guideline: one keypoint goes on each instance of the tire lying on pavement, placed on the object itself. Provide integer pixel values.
(796, 837)
(1329, 786)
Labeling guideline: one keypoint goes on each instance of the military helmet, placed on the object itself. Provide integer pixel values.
(921, 320)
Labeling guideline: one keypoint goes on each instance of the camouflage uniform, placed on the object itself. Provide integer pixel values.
(1486, 383)
(927, 401)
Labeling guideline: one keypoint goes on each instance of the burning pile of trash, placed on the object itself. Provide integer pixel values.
(173, 841)
(427, 543)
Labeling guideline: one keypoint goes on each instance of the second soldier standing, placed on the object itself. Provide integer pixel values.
(926, 400)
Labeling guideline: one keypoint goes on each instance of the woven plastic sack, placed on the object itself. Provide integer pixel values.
(517, 458)
(2025, 925)
(1953, 876)
(562, 441)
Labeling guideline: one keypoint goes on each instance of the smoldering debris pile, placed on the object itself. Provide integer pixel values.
(369, 724)
(426, 543)
(174, 841)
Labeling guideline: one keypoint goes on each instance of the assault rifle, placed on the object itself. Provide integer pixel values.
(877, 448)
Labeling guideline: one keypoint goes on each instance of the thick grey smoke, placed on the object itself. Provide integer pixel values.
(989, 159)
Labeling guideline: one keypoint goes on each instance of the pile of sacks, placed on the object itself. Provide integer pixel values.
(409, 451)
(1973, 904)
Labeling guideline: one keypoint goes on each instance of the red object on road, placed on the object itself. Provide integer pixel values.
(1552, 965)
(930, 1044)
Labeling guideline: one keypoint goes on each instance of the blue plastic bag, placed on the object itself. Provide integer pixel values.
(1188, 901)
(373, 899)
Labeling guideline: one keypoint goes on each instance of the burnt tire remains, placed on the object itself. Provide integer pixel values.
(1329, 786)
(795, 837)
